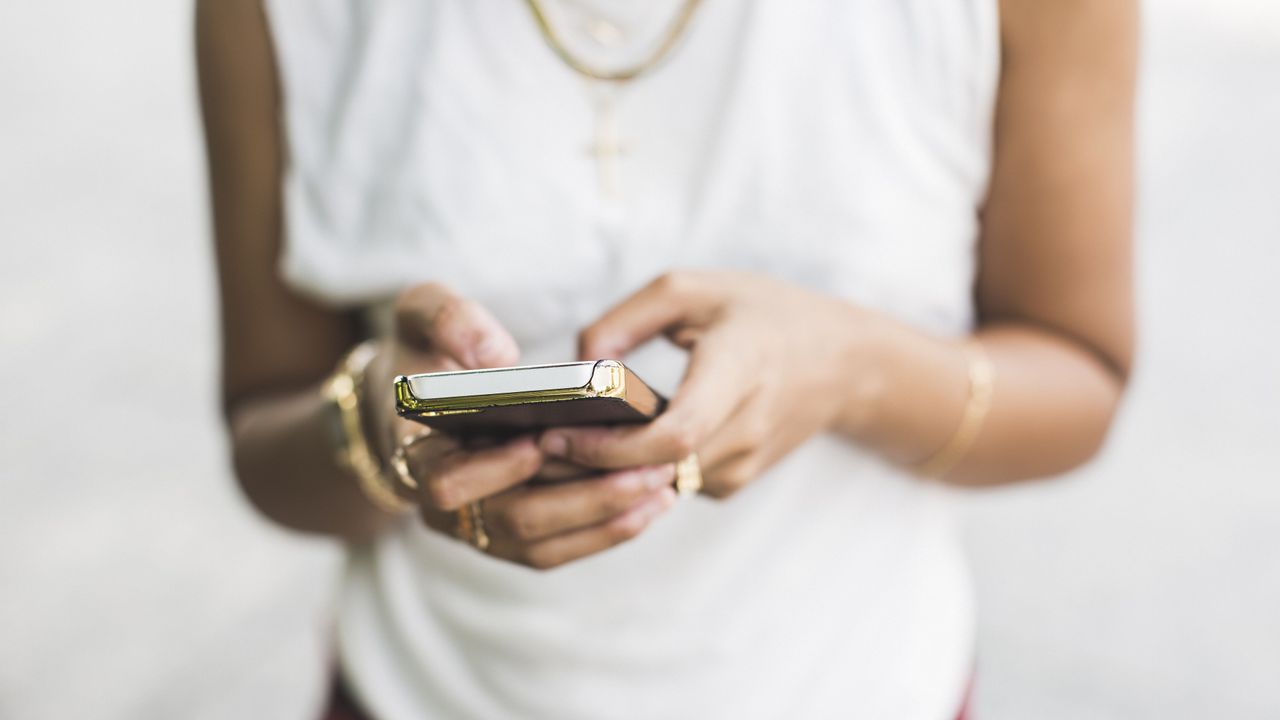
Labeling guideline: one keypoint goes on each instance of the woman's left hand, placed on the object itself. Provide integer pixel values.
(768, 369)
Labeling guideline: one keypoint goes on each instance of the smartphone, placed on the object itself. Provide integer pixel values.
(505, 401)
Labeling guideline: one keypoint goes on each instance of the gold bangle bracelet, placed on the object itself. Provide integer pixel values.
(343, 390)
(982, 380)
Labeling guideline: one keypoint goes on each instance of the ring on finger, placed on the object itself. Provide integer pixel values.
(400, 459)
(471, 526)
(688, 476)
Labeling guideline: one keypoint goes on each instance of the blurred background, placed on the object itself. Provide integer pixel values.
(136, 583)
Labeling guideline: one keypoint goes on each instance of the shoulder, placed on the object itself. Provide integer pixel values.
(232, 43)
(1066, 27)
(224, 18)
(1064, 53)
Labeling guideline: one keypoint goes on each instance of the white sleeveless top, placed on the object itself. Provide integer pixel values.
(839, 144)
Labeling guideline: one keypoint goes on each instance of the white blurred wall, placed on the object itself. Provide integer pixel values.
(134, 582)
(1148, 586)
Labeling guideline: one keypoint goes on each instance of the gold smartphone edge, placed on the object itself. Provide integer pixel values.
(608, 379)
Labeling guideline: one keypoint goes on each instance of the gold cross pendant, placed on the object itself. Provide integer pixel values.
(607, 147)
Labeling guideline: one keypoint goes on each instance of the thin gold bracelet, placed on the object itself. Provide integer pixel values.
(982, 381)
(343, 390)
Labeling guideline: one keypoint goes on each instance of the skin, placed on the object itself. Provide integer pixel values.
(1053, 295)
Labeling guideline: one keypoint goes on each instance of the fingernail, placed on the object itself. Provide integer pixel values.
(554, 444)
(486, 353)
(600, 351)
(662, 503)
(630, 481)
(534, 453)
(657, 477)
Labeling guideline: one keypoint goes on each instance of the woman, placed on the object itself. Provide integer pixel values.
(891, 241)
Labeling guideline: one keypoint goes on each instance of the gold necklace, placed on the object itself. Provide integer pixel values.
(674, 32)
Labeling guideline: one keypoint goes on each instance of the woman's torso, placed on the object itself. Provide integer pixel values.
(841, 145)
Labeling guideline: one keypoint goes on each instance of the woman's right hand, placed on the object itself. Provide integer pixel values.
(538, 525)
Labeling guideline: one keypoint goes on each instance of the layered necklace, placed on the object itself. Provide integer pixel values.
(607, 147)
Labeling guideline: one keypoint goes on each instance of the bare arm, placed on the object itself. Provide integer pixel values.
(1054, 292)
(277, 347)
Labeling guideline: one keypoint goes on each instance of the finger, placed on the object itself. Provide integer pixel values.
(716, 382)
(423, 450)
(430, 316)
(538, 513)
(719, 380)
(744, 448)
(730, 474)
(414, 361)
(438, 520)
(553, 470)
(462, 477)
(672, 300)
(576, 544)
(746, 430)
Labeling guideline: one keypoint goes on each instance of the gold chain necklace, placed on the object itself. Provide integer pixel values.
(674, 32)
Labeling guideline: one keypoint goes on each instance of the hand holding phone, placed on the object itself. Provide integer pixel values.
(541, 526)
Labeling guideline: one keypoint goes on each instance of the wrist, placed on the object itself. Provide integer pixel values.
(865, 344)
(377, 405)
(358, 453)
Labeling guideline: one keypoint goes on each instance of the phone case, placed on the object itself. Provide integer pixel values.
(518, 399)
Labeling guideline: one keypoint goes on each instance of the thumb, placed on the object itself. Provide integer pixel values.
(431, 317)
(676, 304)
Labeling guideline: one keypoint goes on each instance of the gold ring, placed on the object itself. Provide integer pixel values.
(400, 460)
(688, 476)
(471, 526)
